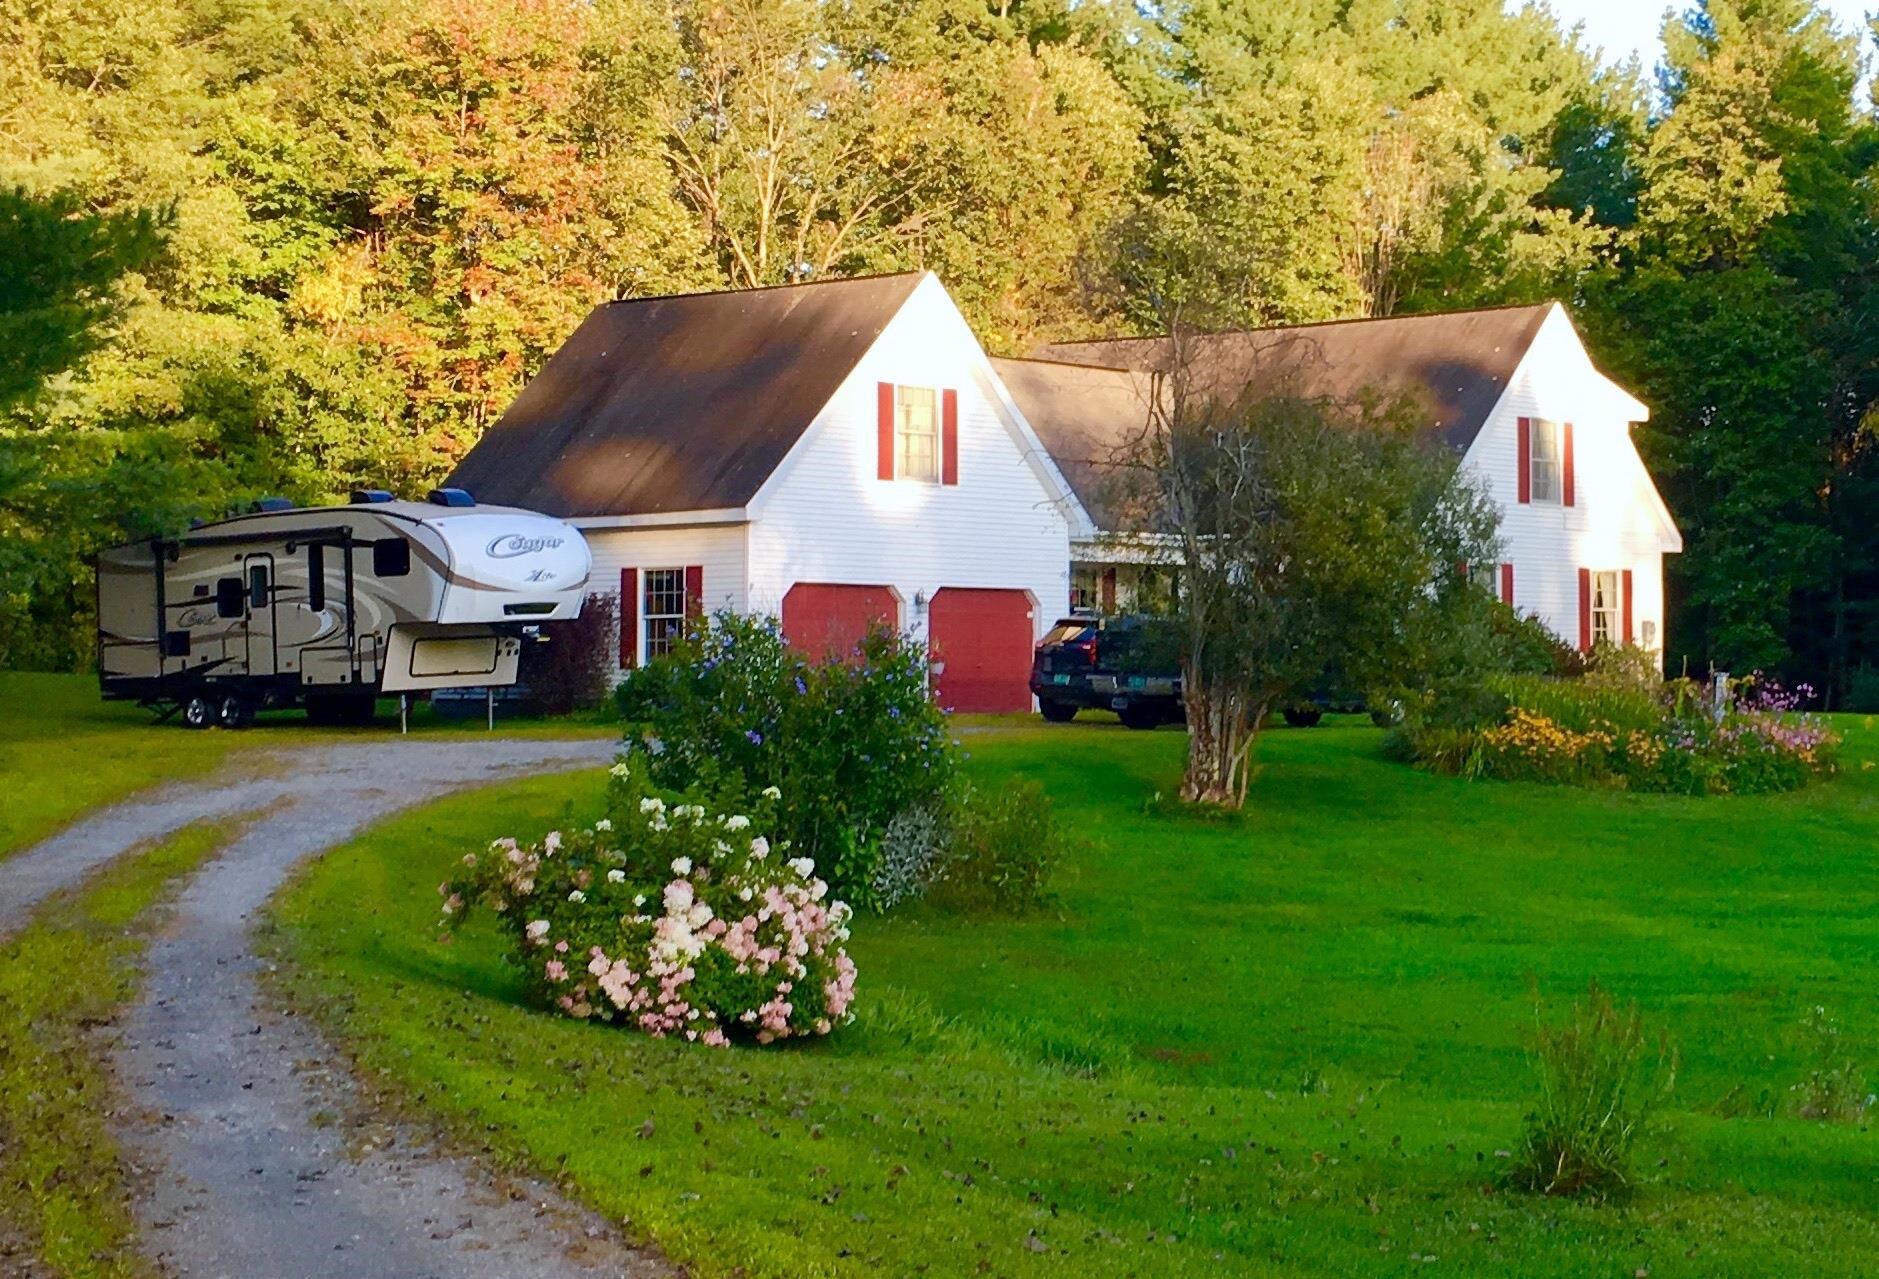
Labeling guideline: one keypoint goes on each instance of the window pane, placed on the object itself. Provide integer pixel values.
(1545, 461)
(916, 438)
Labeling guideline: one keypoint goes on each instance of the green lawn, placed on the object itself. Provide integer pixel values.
(65, 751)
(1289, 1045)
(63, 1193)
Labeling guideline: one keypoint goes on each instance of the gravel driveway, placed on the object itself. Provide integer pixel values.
(247, 1177)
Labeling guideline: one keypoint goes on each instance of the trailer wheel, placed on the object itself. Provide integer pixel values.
(235, 711)
(200, 711)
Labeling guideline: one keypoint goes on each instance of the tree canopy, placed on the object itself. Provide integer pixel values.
(298, 246)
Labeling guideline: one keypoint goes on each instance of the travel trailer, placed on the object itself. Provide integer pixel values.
(330, 607)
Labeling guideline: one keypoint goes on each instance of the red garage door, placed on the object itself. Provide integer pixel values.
(984, 639)
(825, 619)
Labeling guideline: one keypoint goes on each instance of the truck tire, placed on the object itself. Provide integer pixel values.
(1057, 712)
(201, 711)
(1138, 717)
(1303, 716)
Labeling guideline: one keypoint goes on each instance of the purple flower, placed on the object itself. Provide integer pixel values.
(756, 738)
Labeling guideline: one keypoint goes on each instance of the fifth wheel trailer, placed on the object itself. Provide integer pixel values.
(329, 607)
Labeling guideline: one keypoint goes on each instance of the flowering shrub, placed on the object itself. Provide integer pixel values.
(1616, 733)
(854, 741)
(670, 919)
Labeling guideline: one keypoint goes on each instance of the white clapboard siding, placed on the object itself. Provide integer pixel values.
(719, 549)
(1616, 521)
(826, 516)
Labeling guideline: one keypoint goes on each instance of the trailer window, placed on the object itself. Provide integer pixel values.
(257, 586)
(228, 597)
(391, 557)
(316, 577)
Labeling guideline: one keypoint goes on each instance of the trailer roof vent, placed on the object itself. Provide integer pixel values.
(451, 497)
(366, 497)
(269, 505)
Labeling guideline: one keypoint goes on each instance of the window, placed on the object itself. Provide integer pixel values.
(229, 597)
(1545, 461)
(316, 577)
(916, 433)
(1486, 576)
(391, 557)
(1607, 623)
(257, 586)
(662, 605)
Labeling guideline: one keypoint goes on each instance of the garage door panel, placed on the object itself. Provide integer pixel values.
(983, 641)
(830, 619)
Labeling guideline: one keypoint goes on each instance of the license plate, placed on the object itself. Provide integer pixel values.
(1118, 703)
(1060, 679)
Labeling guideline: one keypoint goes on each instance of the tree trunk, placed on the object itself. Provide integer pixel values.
(1222, 722)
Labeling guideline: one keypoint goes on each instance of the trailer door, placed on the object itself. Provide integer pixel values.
(263, 635)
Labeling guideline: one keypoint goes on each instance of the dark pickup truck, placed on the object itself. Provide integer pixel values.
(1122, 664)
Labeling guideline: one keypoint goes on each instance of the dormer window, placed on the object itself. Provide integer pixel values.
(916, 434)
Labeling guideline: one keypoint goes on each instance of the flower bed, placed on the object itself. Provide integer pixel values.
(669, 919)
(1588, 733)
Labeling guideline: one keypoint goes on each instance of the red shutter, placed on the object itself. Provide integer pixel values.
(694, 592)
(884, 430)
(1585, 610)
(949, 437)
(1109, 590)
(1566, 467)
(1461, 569)
(1625, 587)
(1525, 451)
(629, 618)
(1507, 585)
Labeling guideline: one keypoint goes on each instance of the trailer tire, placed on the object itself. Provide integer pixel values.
(1057, 712)
(235, 711)
(200, 711)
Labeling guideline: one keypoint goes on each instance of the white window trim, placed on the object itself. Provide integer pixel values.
(901, 415)
(647, 617)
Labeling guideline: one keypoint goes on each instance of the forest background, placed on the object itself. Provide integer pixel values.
(301, 246)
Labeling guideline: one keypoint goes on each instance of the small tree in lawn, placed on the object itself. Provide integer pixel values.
(1311, 533)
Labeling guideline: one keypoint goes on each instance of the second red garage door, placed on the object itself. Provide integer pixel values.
(984, 639)
(828, 619)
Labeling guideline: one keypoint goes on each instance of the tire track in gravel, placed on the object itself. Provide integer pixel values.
(245, 1177)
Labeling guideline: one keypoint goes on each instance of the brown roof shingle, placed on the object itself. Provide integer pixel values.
(679, 403)
(1455, 363)
(1087, 417)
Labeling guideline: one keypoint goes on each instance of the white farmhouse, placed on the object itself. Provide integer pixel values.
(835, 454)
(841, 454)
(1583, 530)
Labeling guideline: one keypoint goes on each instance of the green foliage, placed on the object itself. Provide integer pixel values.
(61, 265)
(1004, 844)
(1619, 726)
(852, 741)
(570, 667)
(671, 920)
(1597, 1085)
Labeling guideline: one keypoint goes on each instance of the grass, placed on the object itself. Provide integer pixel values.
(64, 751)
(1296, 1043)
(62, 1192)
